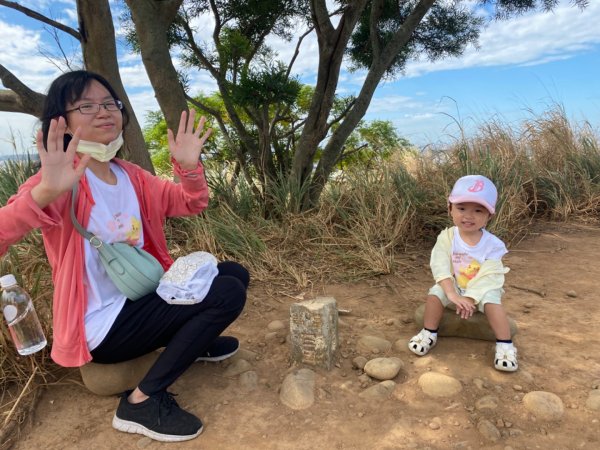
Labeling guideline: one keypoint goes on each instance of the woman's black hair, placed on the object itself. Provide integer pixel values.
(68, 88)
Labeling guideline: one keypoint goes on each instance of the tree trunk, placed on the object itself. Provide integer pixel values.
(100, 55)
(332, 45)
(380, 64)
(152, 20)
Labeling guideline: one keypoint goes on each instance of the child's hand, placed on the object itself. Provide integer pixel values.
(465, 307)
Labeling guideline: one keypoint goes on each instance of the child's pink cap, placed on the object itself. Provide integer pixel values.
(476, 189)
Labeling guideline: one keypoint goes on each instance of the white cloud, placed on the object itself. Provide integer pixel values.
(534, 38)
(21, 55)
(143, 102)
(21, 129)
(134, 75)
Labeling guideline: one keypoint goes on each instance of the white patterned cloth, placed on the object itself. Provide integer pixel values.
(189, 278)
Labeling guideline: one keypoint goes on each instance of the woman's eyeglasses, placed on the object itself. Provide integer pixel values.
(93, 108)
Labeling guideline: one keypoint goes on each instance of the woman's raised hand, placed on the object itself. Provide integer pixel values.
(187, 146)
(58, 172)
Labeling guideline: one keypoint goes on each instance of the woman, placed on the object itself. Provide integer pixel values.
(81, 132)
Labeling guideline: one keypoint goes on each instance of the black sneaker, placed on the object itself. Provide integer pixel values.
(221, 348)
(159, 417)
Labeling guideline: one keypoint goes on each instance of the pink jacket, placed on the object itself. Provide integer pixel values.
(158, 199)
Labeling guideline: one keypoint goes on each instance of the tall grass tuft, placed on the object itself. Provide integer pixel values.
(27, 261)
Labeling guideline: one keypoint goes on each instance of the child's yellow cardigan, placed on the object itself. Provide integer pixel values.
(489, 277)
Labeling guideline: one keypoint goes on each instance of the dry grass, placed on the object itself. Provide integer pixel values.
(367, 221)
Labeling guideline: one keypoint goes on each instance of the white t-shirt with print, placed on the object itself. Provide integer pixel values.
(467, 259)
(115, 217)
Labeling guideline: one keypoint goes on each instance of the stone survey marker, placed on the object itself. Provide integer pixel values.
(314, 331)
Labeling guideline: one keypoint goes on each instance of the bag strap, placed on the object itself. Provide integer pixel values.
(94, 240)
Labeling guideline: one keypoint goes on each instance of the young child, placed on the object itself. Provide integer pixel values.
(466, 263)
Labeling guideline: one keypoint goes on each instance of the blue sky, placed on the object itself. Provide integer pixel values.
(522, 67)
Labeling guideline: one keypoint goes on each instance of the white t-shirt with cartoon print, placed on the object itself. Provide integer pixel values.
(467, 259)
(115, 217)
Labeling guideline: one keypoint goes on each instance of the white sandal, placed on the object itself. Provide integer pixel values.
(506, 358)
(422, 342)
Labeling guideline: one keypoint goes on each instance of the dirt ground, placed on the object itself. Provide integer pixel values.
(559, 350)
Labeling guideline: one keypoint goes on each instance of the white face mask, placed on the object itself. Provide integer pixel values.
(101, 152)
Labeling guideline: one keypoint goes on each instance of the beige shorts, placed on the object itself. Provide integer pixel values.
(494, 296)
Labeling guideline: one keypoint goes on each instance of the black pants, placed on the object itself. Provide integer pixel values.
(185, 331)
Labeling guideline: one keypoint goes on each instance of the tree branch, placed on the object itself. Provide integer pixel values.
(207, 109)
(297, 52)
(30, 102)
(342, 114)
(321, 18)
(376, 9)
(35, 15)
(215, 114)
(197, 51)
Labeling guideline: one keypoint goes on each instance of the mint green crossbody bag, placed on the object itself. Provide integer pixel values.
(134, 271)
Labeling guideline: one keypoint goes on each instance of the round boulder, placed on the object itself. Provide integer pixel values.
(437, 384)
(544, 405)
(383, 368)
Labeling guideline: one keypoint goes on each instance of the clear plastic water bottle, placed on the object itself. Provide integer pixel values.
(23, 322)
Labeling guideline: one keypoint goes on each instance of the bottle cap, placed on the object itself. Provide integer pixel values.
(7, 280)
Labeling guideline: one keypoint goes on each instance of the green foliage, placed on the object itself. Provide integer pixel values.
(445, 31)
(372, 143)
(155, 135)
(265, 87)
(235, 194)
(13, 174)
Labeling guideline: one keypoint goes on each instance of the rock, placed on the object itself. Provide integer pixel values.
(249, 380)
(364, 379)
(436, 384)
(111, 379)
(596, 384)
(435, 423)
(544, 405)
(359, 362)
(244, 353)
(273, 336)
(237, 367)
(571, 294)
(487, 403)
(373, 344)
(276, 325)
(593, 400)
(297, 389)
(383, 368)
(479, 383)
(525, 376)
(401, 345)
(488, 430)
(476, 327)
(379, 391)
(144, 442)
(517, 387)
(424, 361)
